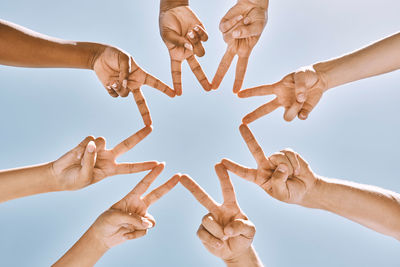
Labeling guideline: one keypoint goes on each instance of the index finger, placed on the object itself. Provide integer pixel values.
(176, 72)
(160, 191)
(241, 68)
(199, 193)
(257, 91)
(228, 192)
(145, 183)
(223, 67)
(131, 141)
(254, 147)
(152, 81)
(199, 73)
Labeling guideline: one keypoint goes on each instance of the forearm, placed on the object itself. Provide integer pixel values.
(373, 207)
(25, 48)
(262, 3)
(169, 4)
(378, 58)
(26, 181)
(86, 252)
(248, 259)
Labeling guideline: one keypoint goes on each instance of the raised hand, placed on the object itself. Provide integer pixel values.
(183, 34)
(90, 162)
(284, 175)
(120, 74)
(136, 206)
(125, 220)
(241, 27)
(226, 232)
(298, 92)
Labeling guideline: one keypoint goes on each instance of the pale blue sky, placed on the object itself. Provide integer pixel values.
(352, 134)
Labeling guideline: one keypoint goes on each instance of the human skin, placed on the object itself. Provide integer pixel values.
(115, 68)
(225, 231)
(287, 177)
(241, 28)
(126, 220)
(183, 34)
(299, 92)
(86, 164)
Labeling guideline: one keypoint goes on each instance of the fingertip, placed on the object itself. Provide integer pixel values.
(246, 120)
(188, 46)
(91, 147)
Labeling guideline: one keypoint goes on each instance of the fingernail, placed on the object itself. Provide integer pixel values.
(108, 87)
(124, 83)
(301, 97)
(238, 18)
(303, 116)
(224, 238)
(196, 29)
(191, 34)
(114, 85)
(281, 169)
(189, 46)
(146, 223)
(236, 34)
(91, 147)
(246, 20)
(218, 244)
(130, 213)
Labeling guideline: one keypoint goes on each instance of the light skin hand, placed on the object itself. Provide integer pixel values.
(298, 93)
(225, 231)
(120, 74)
(126, 220)
(284, 176)
(90, 162)
(241, 27)
(183, 34)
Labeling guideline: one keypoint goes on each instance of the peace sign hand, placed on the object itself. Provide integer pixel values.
(128, 218)
(226, 231)
(284, 175)
(183, 34)
(120, 74)
(241, 27)
(298, 92)
(90, 162)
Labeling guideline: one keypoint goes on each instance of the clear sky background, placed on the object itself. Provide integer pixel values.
(353, 134)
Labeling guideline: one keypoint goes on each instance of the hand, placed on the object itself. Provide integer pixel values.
(284, 176)
(90, 162)
(128, 218)
(298, 92)
(120, 74)
(183, 34)
(226, 232)
(241, 27)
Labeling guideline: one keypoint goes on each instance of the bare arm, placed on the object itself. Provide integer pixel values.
(378, 58)
(22, 47)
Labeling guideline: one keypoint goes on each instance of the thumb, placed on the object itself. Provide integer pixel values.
(240, 227)
(300, 87)
(124, 68)
(88, 161)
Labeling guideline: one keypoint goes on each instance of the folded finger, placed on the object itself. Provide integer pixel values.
(194, 39)
(212, 226)
(240, 227)
(294, 161)
(135, 234)
(208, 239)
(292, 111)
(246, 31)
(199, 73)
(202, 33)
(261, 111)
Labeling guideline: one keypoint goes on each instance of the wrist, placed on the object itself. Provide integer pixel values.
(324, 70)
(166, 5)
(94, 239)
(261, 3)
(247, 258)
(314, 197)
(50, 179)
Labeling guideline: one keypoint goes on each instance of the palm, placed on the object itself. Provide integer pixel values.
(68, 169)
(175, 24)
(225, 215)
